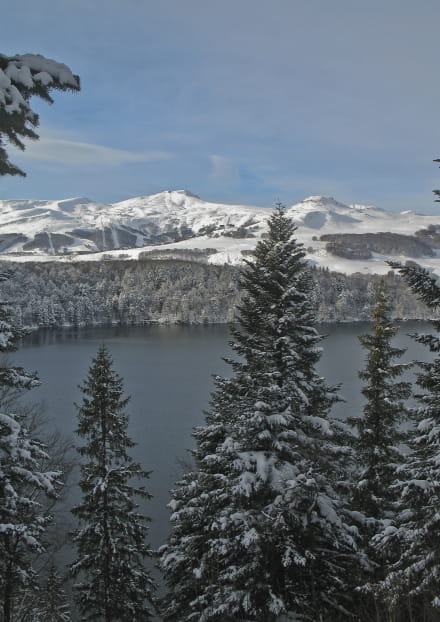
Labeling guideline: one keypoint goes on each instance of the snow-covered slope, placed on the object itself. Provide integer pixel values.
(325, 215)
(81, 225)
(170, 222)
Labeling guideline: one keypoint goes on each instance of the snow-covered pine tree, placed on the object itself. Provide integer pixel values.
(377, 445)
(258, 526)
(379, 436)
(415, 575)
(13, 377)
(114, 584)
(22, 521)
(22, 479)
(21, 77)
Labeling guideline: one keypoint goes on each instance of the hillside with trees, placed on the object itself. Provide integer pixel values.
(176, 291)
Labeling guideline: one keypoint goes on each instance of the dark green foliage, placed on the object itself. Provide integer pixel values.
(415, 572)
(258, 526)
(10, 335)
(23, 521)
(377, 451)
(421, 281)
(114, 584)
(378, 433)
(23, 480)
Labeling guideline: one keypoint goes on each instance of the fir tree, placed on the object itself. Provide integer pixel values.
(23, 479)
(22, 521)
(12, 377)
(416, 534)
(377, 447)
(114, 584)
(258, 526)
(379, 437)
(21, 77)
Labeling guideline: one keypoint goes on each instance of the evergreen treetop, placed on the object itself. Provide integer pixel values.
(114, 584)
(258, 526)
(379, 436)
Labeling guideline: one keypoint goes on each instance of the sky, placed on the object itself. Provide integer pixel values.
(238, 101)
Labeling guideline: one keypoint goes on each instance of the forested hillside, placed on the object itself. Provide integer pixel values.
(173, 291)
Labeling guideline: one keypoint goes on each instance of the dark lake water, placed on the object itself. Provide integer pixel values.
(167, 372)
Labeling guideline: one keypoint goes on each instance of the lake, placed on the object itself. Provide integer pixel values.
(167, 372)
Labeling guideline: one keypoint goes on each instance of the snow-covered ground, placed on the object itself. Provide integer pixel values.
(203, 223)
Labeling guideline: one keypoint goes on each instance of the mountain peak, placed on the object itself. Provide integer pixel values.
(319, 198)
(322, 200)
(67, 203)
(178, 221)
(186, 193)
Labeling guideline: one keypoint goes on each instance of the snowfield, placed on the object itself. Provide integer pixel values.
(172, 221)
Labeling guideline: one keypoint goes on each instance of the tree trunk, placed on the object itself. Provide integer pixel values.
(106, 569)
(7, 595)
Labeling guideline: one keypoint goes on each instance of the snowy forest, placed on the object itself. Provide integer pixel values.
(283, 512)
(172, 291)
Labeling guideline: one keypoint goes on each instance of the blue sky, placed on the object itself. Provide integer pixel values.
(241, 101)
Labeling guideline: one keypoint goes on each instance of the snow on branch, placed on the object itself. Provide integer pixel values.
(21, 77)
(423, 283)
(31, 74)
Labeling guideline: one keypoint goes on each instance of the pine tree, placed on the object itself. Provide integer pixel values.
(21, 77)
(23, 479)
(258, 526)
(377, 448)
(378, 441)
(416, 572)
(114, 584)
(22, 521)
(12, 376)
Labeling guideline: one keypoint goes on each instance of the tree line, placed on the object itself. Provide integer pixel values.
(285, 513)
(174, 291)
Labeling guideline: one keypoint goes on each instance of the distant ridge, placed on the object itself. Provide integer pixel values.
(178, 221)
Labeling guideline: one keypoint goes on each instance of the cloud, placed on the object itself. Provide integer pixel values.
(224, 171)
(74, 152)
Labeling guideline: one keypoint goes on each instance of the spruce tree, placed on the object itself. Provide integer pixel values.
(23, 479)
(378, 448)
(379, 436)
(259, 529)
(114, 584)
(22, 518)
(416, 535)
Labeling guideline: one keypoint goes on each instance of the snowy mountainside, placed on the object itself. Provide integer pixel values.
(81, 225)
(355, 238)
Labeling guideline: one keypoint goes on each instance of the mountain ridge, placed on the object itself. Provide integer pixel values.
(180, 221)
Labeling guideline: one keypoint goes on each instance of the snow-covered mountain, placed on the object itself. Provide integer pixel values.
(80, 225)
(355, 238)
